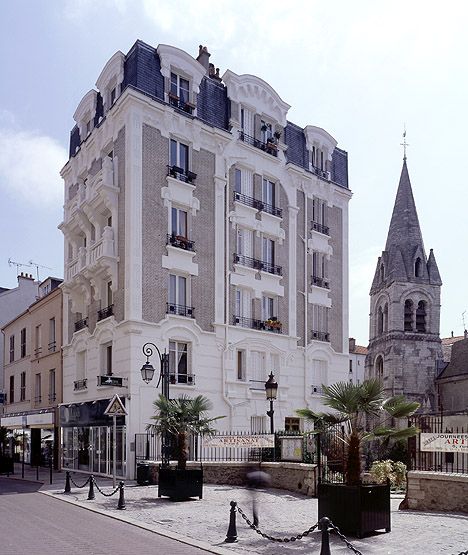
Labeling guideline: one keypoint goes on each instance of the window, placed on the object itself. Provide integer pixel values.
(243, 303)
(268, 308)
(320, 373)
(292, 424)
(244, 240)
(382, 273)
(380, 319)
(113, 95)
(81, 365)
(319, 216)
(319, 269)
(421, 317)
(318, 160)
(247, 121)
(238, 181)
(379, 367)
(37, 389)
(38, 340)
(107, 356)
(240, 362)
(268, 192)
(180, 88)
(178, 363)
(268, 251)
(179, 156)
(109, 294)
(23, 386)
(52, 344)
(178, 222)
(266, 131)
(23, 343)
(12, 348)
(350, 366)
(52, 392)
(12, 389)
(257, 367)
(320, 316)
(258, 424)
(408, 315)
(418, 267)
(177, 290)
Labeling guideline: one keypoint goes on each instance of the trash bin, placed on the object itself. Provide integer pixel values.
(6, 465)
(143, 474)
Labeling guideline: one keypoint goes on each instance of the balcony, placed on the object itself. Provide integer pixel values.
(272, 324)
(105, 312)
(181, 174)
(81, 324)
(52, 347)
(52, 397)
(80, 385)
(37, 352)
(325, 230)
(180, 242)
(37, 400)
(270, 147)
(258, 204)
(320, 282)
(320, 172)
(182, 379)
(181, 104)
(110, 380)
(257, 264)
(320, 336)
(180, 310)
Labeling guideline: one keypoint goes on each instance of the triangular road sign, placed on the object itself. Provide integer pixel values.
(115, 407)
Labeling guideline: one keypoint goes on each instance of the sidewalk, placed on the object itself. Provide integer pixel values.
(205, 522)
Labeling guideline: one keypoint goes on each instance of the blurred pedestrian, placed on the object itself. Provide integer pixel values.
(256, 479)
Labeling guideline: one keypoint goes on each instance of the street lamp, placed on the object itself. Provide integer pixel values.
(147, 373)
(271, 390)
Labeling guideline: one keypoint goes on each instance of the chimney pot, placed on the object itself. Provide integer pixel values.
(203, 57)
(465, 334)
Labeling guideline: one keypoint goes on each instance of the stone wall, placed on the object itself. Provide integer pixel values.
(437, 491)
(295, 477)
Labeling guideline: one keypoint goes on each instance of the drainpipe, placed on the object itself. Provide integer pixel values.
(306, 300)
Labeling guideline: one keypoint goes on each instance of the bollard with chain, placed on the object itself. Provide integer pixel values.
(231, 536)
(91, 495)
(121, 503)
(323, 525)
(67, 482)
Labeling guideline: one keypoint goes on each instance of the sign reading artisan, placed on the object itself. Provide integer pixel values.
(445, 443)
(257, 441)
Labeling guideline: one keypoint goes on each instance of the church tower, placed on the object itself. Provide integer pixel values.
(404, 344)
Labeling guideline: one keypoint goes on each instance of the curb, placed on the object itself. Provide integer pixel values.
(145, 526)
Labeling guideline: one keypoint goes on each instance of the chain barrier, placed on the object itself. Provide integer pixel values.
(343, 537)
(76, 485)
(463, 553)
(106, 494)
(271, 538)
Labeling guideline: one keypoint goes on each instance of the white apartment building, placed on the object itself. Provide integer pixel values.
(198, 218)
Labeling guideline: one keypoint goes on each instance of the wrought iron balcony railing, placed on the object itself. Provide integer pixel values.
(185, 379)
(79, 385)
(320, 228)
(258, 204)
(180, 310)
(272, 324)
(320, 335)
(270, 147)
(181, 104)
(320, 282)
(180, 242)
(105, 312)
(80, 324)
(52, 347)
(320, 172)
(52, 397)
(37, 400)
(257, 264)
(110, 380)
(181, 174)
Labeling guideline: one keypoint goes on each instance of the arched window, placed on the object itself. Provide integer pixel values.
(421, 317)
(380, 320)
(379, 368)
(418, 267)
(382, 273)
(385, 317)
(408, 315)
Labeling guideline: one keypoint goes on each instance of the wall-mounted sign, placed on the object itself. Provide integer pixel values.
(256, 441)
(115, 407)
(445, 443)
(291, 448)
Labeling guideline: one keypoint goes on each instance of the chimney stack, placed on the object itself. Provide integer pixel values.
(352, 344)
(203, 57)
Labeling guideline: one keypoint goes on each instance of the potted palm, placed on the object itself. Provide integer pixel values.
(364, 414)
(181, 418)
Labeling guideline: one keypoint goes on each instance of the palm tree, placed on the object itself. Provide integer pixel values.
(183, 417)
(360, 407)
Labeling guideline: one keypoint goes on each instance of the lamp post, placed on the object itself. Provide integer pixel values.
(271, 390)
(147, 373)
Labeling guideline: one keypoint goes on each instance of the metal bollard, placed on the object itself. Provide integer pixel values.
(324, 522)
(231, 536)
(37, 473)
(121, 504)
(91, 495)
(50, 470)
(67, 483)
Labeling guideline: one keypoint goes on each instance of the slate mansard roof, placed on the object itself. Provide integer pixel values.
(142, 72)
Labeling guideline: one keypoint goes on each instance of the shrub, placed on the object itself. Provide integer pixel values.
(394, 471)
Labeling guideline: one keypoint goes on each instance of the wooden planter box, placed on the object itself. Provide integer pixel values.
(180, 484)
(355, 510)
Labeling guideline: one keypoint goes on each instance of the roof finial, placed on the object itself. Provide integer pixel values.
(404, 144)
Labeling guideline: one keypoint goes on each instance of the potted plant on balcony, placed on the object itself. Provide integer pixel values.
(273, 324)
(181, 418)
(364, 414)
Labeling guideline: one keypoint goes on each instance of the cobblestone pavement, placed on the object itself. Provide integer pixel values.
(281, 514)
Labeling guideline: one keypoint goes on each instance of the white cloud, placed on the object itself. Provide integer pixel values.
(80, 10)
(29, 167)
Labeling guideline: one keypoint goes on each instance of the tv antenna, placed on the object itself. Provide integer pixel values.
(37, 268)
(18, 265)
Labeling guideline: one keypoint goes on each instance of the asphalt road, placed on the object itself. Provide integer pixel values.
(32, 523)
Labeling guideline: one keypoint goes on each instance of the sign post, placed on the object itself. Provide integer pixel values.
(115, 408)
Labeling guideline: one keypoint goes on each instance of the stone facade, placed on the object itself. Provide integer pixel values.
(436, 491)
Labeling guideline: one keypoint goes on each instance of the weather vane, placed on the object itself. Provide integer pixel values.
(404, 144)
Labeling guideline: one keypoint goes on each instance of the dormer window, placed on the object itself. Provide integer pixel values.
(317, 158)
(179, 95)
(267, 132)
(113, 95)
(88, 127)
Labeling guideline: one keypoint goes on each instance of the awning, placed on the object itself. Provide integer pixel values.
(35, 420)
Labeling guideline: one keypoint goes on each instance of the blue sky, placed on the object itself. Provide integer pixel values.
(361, 70)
